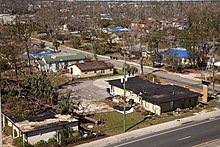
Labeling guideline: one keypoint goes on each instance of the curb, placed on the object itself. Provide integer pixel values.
(151, 129)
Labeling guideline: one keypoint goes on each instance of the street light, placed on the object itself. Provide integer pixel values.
(123, 81)
(121, 29)
(213, 68)
(0, 118)
(213, 74)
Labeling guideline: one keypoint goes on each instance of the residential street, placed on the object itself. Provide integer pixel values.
(183, 136)
(176, 78)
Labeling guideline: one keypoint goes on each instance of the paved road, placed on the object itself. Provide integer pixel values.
(118, 63)
(185, 136)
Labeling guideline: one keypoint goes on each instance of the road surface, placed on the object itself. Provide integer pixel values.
(118, 63)
(184, 136)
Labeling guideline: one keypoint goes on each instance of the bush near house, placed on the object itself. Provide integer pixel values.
(8, 130)
(18, 142)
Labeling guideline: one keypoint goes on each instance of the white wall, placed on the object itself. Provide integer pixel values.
(37, 138)
(76, 71)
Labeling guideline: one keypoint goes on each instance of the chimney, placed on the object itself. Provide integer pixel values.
(205, 93)
(205, 85)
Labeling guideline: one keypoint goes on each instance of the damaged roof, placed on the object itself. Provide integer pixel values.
(153, 92)
(45, 120)
(94, 65)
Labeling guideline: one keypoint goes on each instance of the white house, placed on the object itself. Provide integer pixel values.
(59, 61)
(7, 19)
(91, 69)
(35, 128)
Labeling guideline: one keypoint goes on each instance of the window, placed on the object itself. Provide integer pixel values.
(95, 71)
(86, 72)
(171, 105)
(110, 69)
(154, 107)
(147, 104)
(140, 99)
(102, 71)
(57, 66)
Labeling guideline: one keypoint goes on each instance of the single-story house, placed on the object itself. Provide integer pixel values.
(156, 98)
(180, 53)
(7, 19)
(42, 54)
(91, 69)
(147, 25)
(41, 127)
(59, 61)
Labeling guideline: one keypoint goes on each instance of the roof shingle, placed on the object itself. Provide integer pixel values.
(94, 65)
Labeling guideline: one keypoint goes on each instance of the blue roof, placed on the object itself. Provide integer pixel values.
(42, 54)
(119, 29)
(181, 53)
(105, 15)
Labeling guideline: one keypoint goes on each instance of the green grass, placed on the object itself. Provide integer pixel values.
(57, 78)
(116, 54)
(114, 121)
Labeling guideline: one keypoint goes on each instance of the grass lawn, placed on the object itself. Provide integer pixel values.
(116, 54)
(113, 121)
(57, 78)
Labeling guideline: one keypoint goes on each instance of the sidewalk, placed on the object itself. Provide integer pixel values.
(152, 129)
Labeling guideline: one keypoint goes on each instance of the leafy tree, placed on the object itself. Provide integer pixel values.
(76, 42)
(22, 32)
(42, 88)
(56, 44)
(66, 106)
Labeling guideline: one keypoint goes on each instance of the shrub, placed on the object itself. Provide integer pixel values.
(8, 130)
(41, 143)
(18, 142)
(52, 142)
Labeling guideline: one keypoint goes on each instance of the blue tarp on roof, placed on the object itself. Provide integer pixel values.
(42, 54)
(181, 53)
(119, 29)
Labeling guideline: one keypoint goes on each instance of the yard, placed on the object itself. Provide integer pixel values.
(113, 121)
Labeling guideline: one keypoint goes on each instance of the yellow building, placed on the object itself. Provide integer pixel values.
(155, 98)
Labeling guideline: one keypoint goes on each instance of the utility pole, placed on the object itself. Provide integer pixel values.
(141, 57)
(0, 117)
(213, 68)
(213, 73)
(124, 86)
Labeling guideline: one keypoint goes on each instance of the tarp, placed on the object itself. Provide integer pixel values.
(181, 53)
(42, 54)
(119, 29)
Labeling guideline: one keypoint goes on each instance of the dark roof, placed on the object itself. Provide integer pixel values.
(155, 93)
(94, 65)
(40, 117)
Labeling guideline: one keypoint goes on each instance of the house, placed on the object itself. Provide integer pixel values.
(7, 19)
(91, 69)
(148, 24)
(59, 61)
(156, 98)
(40, 127)
(180, 53)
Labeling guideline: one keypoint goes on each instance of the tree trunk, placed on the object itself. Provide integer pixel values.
(16, 73)
(28, 55)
